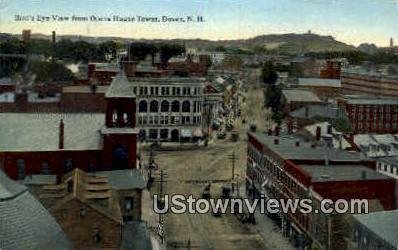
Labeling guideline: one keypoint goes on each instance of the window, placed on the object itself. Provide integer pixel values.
(154, 106)
(143, 106)
(69, 186)
(21, 169)
(82, 212)
(153, 133)
(164, 133)
(175, 106)
(45, 169)
(186, 106)
(68, 165)
(165, 106)
(129, 204)
(97, 235)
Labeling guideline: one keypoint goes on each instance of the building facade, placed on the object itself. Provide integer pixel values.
(371, 115)
(169, 109)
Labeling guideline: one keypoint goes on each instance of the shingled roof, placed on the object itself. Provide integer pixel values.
(24, 222)
(120, 87)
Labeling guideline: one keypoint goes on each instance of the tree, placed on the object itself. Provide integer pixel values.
(139, 50)
(51, 71)
(167, 51)
(232, 63)
(268, 73)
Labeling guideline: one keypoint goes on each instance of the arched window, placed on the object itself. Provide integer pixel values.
(186, 106)
(175, 106)
(143, 106)
(154, 106)
(164, 106)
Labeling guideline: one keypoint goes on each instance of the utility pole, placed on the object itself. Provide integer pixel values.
(233, 158)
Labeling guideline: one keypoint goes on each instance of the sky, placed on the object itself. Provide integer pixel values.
(350, 21)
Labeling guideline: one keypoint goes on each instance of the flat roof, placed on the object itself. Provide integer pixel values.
(319, 82)
(299, 95)
(287, 149)
(323, 173)
(372, 101)
(124, 179)
(84, 89)
(40, 132)
(383, 224)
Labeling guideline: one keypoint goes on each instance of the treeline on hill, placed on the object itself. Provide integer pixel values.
(357, 57)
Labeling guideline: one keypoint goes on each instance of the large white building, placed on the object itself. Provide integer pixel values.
(169, 109)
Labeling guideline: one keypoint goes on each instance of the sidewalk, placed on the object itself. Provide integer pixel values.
(152, 219)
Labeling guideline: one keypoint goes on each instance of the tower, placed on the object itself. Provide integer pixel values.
(391, 42)
(119, 133)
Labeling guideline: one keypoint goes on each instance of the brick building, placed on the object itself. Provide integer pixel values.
(371, 115)
(284, 167)
(55, 143)
(368, 82)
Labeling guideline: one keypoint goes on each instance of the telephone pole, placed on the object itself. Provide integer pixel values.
(233, 159)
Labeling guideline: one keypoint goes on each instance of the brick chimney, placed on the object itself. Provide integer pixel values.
(61, 135)
(318, 133)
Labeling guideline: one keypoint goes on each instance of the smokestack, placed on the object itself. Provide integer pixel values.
(318, 133)
(54, 38)
(61, 135)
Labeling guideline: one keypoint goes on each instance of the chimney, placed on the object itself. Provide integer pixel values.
(318, 133)
(54, 37)
(297, 143)
(307, 111)
(61, 135)
(269, 132)
(93, 88)
(330, 129)
(277, 130)
(276, 141)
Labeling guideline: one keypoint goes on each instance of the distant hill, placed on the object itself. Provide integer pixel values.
(285, 43)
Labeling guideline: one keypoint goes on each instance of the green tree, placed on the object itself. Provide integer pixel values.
(51, 71)
(268, 73)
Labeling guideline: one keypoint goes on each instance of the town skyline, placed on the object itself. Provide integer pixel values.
(351, 22)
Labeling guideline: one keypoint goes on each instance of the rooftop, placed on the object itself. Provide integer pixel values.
(372, 101)
(120, 87)
(322, 173)
(287, 149)
(170, 80)
(124, 179)
(383, 224)
(298, 95)
(84, 89)
(40, 132)
(319, 82)
(319, 110)
(25, 223)
(34, 97)
(136, 236)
